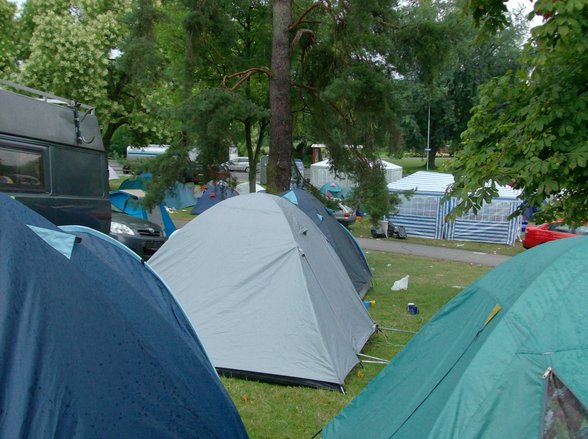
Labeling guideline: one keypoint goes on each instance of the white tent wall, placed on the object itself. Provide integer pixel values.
(320, 173)
(424, 213)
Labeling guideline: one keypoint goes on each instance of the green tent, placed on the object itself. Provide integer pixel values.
(506, 358)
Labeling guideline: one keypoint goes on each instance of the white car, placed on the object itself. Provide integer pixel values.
(238, 164)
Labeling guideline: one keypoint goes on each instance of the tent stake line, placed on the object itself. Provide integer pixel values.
(396, 330)
(373, 358)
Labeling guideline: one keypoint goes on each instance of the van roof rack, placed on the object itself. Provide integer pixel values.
(47, 97)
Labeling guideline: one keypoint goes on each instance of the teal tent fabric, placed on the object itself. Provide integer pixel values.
(331, 189)
(477, 369)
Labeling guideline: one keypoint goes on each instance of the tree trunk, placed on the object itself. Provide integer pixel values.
(280, 155)
(108, 133)
(432, 155)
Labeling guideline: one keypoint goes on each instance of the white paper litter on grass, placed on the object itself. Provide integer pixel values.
(401, 284)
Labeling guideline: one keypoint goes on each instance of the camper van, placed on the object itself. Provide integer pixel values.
(145, 152)
(52, 158)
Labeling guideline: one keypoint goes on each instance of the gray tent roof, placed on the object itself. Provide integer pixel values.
(338, 236)
(266, 292)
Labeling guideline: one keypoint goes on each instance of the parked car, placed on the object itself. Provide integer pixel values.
(345, 214)
(141, 236)
(536, 235)
(240, 164)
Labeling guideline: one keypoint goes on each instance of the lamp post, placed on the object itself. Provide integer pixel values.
(428, 148)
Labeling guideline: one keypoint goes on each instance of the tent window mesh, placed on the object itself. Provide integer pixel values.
(419, 205)
(497, 211)
(565, 417)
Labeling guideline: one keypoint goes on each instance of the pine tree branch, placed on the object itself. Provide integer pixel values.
(244, 76)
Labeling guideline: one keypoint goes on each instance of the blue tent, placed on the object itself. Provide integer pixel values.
(92, 343)
(339, 237)
(136, 183)
(128, 200)
(177, 197)
(180, 196)
(213, 194)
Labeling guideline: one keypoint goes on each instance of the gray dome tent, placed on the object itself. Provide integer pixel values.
(338, 236)
(267, 294)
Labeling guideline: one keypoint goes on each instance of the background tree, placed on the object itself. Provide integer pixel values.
(530, 128)
(225, 97)
(352, 81)
(8, 42)
(281, 123)
(475, 59)
(98, 52)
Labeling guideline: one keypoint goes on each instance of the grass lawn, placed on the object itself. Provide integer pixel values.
(274, 411)
(411, 165)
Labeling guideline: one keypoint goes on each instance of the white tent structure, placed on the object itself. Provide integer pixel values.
(321, 173)
(243, 188)
(272, 300)
(424, 214)
(112, 174)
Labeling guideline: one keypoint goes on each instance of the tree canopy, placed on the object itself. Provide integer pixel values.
(358, 76)
(8, 41)
(530, 128)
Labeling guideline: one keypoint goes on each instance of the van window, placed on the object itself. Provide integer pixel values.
(22, 170)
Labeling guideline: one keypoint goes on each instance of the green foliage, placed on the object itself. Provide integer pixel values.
(450, 87)
(213, 120)
(70, 46)
(8, 42)
(489, 14)
(120, 140)
(101, 52)
(530, 128)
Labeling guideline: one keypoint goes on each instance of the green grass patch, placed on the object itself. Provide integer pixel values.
(274, 411)
(182, 214)
(410, 165)
(114, 184)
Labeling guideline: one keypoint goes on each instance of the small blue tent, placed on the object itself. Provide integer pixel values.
(178, 197)
(92, 344)
(339, 237)
(214, 194)
(128, 200)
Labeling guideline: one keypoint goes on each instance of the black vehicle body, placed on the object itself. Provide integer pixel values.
(52, 158)
(142, 236)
